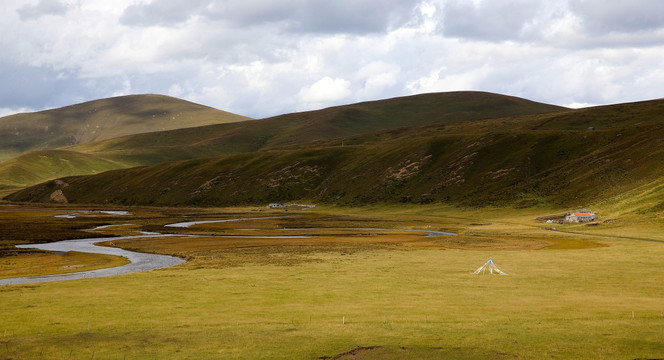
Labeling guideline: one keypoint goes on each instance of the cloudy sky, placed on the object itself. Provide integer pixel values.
(267, 57)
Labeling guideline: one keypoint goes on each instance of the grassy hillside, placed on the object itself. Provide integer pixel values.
(331, 123)
(248, 136)
(415, 110)
(103, 119)
(538, 159)
(35, 166)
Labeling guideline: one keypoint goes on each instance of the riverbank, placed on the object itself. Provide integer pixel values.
(138, 262)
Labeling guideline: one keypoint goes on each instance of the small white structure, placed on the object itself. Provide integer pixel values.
(579, 216)
(276, 206)
(490, 267)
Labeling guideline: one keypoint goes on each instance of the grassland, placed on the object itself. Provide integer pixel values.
(376, 295)
(27, 154)
(551, 159)
(35, 166)
(148, 129)
(46, 263)
(356, 282)
(103, 119)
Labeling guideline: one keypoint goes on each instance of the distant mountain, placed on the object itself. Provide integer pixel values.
(571, 158)
(306, 127)
(102, 119)
(151, 148)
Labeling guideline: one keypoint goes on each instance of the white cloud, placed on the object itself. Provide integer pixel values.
(262, 58)
(576, 105)
(12, 111)
(325, 91)
(379, 77)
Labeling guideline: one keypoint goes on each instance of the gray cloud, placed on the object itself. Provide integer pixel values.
(19, 86)
(42, 8)
(296, 16)
(572, 24)
(162, 12)
(356, 17)
(261, 58)
(601, 17)
(493, 20)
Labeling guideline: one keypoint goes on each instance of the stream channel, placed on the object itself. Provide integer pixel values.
(143, 261)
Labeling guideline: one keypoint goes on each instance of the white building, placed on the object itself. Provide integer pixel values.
(579, 216)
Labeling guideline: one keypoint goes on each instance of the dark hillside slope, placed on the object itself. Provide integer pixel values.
(277, 132)
(103, 119)
(515, 166)
(343, 121)
(306, 127)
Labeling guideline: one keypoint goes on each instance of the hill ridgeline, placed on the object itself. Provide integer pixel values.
(558, 157)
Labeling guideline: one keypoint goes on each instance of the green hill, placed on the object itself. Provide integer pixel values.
(280, 131)
(102, 119)
(335, 122)
(552, 159)
(35, 166)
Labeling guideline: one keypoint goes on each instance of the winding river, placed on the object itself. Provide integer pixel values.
(138, 261)
(143, 261)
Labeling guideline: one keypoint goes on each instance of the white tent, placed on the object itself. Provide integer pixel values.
(490, 267)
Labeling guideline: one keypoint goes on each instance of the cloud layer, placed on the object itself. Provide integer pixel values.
(262, 58)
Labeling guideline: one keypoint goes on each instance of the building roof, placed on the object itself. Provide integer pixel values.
(582, 214)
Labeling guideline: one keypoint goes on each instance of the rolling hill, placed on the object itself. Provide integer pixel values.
(272, 133)
(569, 158)
(103, 119)
(331, 123)
(32, 167)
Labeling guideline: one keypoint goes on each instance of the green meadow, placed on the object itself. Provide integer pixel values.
(355, 277)
(376, 296)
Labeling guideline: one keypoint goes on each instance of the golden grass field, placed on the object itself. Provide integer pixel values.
(579, 292)
(48, 263)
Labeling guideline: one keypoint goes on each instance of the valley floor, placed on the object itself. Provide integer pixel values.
(338, 283)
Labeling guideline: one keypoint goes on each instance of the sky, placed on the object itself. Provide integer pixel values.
(268, 57)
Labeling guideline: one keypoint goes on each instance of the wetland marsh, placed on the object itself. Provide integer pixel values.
(379, 293)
